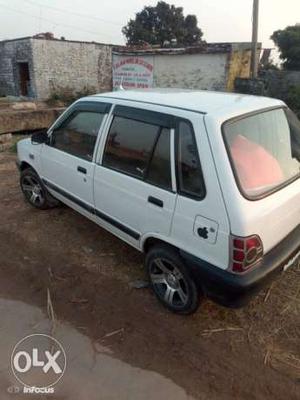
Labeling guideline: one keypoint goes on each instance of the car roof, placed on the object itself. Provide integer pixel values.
(200, 101)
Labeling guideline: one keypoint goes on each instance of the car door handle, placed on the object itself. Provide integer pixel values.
(155, 201)
(81, 169)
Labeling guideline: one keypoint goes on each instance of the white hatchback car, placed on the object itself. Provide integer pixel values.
(206, 184)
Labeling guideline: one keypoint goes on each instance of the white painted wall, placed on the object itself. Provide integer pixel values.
(192, 71)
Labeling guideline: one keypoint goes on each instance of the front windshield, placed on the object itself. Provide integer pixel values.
(264, 149)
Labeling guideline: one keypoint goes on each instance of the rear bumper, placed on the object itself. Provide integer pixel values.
(235, 290)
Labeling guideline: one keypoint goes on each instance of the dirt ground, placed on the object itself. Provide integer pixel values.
(218, 353)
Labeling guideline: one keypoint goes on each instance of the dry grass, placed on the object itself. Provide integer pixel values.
(270, 324)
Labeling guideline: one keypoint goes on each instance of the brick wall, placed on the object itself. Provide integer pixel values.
(62, 65)
(11, 53)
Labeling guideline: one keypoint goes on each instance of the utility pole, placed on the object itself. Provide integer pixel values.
(254, 60)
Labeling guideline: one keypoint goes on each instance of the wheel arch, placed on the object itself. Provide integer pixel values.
(152, 240)
(25, 165)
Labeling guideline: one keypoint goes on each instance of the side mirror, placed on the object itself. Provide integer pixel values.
(40, 137)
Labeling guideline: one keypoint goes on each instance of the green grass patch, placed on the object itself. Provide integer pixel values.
(15, 140)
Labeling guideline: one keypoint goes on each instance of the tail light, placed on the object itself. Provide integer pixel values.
(245, 253)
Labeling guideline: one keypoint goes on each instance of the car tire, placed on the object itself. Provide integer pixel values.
(171, 281)
(35, 191)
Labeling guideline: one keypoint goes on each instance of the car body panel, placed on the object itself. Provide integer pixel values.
(200, 228)
(272, 218)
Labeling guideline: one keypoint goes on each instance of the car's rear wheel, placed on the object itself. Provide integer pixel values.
(35, 192)
(171, 281)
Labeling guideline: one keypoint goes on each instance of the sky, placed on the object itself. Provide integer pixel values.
(102, 20)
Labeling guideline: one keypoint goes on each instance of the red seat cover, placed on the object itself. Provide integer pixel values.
(255, 166)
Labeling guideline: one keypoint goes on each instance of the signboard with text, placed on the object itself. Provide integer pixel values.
(132, 72)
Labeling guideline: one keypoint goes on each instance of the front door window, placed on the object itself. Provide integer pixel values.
(78, 134)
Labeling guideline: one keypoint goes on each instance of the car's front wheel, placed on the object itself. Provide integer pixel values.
(171, 281)
(35, 192)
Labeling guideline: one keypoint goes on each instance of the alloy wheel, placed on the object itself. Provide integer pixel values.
(168, 282)
(33, 190)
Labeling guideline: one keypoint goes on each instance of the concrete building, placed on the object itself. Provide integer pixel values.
(212, 66)
(41, 66)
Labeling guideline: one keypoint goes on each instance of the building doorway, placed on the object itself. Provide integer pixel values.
(24, 78)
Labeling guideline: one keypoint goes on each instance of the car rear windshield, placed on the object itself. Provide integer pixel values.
(264, 149)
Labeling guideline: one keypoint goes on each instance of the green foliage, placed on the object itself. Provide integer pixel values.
(13, 148)
(160, 24)
(288, 42)
(293, 99)
(67, 95)
(15, 140)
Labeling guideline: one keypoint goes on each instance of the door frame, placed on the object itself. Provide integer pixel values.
(106, 128)
(136, 239)
(71, 112)
(81, 106)
(24, 78)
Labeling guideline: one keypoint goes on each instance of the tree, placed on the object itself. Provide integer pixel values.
(162, 24)
(288, 42)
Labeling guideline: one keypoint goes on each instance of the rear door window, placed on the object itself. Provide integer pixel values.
(159, 170)
(140, 148)
(190, 179)
(264, 150)
(129, 146)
